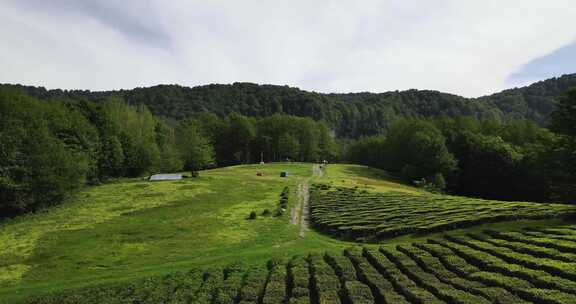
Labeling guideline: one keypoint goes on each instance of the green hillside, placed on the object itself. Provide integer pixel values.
(352, 115)
(354, 214)
(194, 236)
(135, 228)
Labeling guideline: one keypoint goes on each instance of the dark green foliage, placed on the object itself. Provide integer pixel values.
(564, 118)
(196, 150)
(275, 291)
(180, 287)
(229, 291)
(324, 284)
(351, 115)
(414, 149)
(49, 149)
(254, 284)
(41, 161)
(170, 156)
(298, 281)
(516, 160)
(283, 204)
(252, 215)
(564, 122)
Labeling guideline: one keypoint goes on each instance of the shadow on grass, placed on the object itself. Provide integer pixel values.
(373, 173)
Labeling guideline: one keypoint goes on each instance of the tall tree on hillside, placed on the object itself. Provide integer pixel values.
(564, 123)
(170, 158)
(137, 133)
(196, 150)
(418, 149)
(564, 118)
(487, 166)
(308, 133)
(326, 144)
(37, 169)
(288, 147)
(239, 134)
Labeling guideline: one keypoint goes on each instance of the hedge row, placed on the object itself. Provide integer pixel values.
(350, 214)
(492, 267)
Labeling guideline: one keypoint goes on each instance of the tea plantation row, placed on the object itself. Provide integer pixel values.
(351, 214)
(526, 266)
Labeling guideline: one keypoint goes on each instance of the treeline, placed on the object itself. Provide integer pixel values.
(351, 115)
(49, 149)
(515, 160)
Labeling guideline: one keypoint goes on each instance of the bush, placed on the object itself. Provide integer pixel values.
(283, 204)
(252, 215)
(266, 212)
(436, 184)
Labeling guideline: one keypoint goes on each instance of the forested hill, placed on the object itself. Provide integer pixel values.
(352, 114)
(534, 102)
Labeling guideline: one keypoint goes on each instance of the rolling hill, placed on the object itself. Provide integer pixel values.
(192, 241)
(351, 115)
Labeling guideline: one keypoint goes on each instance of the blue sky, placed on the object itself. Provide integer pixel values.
(558, 62)
(465, 47)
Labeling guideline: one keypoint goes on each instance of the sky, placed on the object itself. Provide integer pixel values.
(466, 47)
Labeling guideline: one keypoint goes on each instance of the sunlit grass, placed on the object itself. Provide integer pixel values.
(133, 228)
(365, 177)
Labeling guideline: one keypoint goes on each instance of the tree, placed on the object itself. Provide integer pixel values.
(240, 132)
(196, 150)
(417, 149)
(288, 146)
(37, 169)
(487, 167)
(136, 131)
(308, 134)
(328, 150)
(111, 160)
(367, 151)
(170, 159)
(564, 118)
(564, 123)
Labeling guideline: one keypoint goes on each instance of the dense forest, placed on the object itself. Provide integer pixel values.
(350, 115)
(512, 160)
(53, 142)
(49, 149)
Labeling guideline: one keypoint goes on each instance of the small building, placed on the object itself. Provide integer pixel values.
(284, 174)
(162, 177)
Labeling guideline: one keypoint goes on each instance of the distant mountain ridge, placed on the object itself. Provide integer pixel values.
(350, 114)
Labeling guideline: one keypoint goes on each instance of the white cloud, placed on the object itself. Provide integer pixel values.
(464, 47)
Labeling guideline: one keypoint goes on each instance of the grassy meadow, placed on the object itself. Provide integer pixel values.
(131, 229)
(134, 228)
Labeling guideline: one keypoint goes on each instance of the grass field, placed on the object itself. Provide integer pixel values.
(535, 265)
(191, 240)
(134, 228)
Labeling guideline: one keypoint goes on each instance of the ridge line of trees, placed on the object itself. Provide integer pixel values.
(351, 115)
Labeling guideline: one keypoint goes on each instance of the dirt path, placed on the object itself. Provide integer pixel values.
(318, 171)
(302, 208)
(305, 218)
(300, 214)
(295, 213)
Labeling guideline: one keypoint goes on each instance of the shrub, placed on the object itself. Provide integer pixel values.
(252, 215)
(266, 212)
(283, 204)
